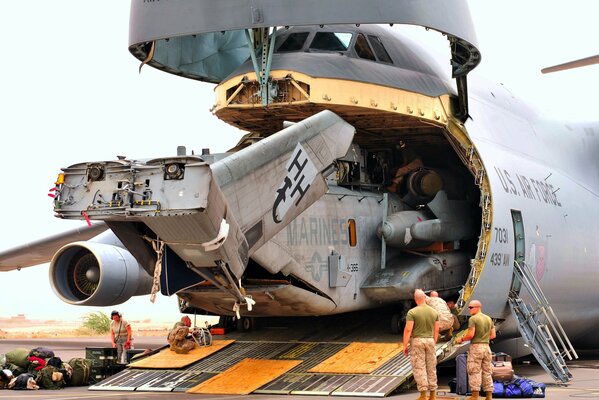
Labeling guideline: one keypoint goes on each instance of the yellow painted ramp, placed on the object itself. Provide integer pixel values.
(169, 359)
(245, 376)
(359, 358)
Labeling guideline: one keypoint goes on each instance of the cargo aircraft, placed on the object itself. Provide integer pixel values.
(366, 172)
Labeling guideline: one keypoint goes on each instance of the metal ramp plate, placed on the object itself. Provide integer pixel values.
(127, 380)
(387, 377)
(368, 385)
(175, 381)
(309, 384)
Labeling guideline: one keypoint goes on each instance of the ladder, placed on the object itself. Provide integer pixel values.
(538, 325)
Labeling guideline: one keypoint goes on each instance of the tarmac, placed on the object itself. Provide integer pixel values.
(585, 384)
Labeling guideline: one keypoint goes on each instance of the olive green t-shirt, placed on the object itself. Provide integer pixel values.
(482, 328)
(424, 317)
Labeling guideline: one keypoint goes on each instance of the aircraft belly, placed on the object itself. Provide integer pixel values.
(283, 300)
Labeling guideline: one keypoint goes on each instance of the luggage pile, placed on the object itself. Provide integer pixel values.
(40, 368)
(506, 384)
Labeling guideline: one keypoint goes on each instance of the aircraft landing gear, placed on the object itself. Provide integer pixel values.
(245, 324)
(398, 323)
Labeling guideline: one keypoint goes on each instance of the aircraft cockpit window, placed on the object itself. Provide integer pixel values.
(379, 49)
(293, 42)
(331, 41)
(363, 50)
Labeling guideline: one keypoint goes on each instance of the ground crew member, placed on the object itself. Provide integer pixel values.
(410, 162)
(120, 335)
(457, 320)
(185, 321)
(480, 331)
(422, 327)
(446, 318)
(180, 338)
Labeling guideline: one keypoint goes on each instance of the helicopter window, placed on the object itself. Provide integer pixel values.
(331, 41)
(363, 49)
(293, 42)
(379, 49)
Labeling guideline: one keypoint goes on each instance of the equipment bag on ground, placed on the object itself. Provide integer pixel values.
(51, 378)
(515, 388)
(461, 374)
(81, 371)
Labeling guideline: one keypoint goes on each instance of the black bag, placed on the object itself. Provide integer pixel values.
(21, 381)
(461, 374)
(41, 352)
(55, 362)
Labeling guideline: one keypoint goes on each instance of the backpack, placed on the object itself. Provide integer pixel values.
(55, 362)
(23, 382)
(41, 352)
(15, 369)
(18, 357)
(518, 387)
(81, 371)
(51, 378)
(35, 364)
(177, 333)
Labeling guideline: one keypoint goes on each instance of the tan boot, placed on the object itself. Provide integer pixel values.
(433, 395)
(422, 396)
(489, 396)
(474, 395)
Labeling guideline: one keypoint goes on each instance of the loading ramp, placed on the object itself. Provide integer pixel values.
(392, 374)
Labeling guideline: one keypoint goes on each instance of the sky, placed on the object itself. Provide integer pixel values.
(71, 92)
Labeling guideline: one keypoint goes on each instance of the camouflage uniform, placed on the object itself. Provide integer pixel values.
(445, 315)
(179, 339)
(479, 354)
(424, 363)
(422, 347)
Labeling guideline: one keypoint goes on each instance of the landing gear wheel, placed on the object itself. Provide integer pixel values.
(397, 323)
(245, 324)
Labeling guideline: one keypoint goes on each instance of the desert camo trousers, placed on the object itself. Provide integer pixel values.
(424, 363)
(479, 367)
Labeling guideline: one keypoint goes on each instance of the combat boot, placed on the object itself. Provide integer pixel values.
(474, 395)
(422, 396)
(433, 395)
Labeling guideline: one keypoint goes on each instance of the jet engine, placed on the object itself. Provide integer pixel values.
(97, 274)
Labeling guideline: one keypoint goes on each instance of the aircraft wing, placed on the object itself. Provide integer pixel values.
(41, 251)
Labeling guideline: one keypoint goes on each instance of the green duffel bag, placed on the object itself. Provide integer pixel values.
(18, 357)
(51, 378)
(81, 371)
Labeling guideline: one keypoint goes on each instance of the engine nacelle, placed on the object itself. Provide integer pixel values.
(97, 274)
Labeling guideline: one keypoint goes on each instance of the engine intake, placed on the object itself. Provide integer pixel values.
(97, 274)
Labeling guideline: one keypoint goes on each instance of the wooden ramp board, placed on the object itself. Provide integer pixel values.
(245, 376)
(167, 359)
(359, 358)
